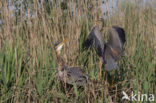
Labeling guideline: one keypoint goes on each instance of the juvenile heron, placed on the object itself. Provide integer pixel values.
(68, 75)
(109, 52)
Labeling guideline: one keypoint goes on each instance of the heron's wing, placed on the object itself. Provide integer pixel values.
(110, 63)
(116, 39)
(95, 36)
(75, 75)
(89, 41)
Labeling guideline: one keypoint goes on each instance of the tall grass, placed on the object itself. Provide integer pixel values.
(28, 61)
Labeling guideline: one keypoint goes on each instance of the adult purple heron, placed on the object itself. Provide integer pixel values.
(69, 75)
(109, 52)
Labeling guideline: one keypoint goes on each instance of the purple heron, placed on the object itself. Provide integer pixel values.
(109, 52)
(69, 75)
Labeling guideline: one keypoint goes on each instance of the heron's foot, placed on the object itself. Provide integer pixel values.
(110, 86)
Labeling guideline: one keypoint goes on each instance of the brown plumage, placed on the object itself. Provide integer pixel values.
(111, 51)
(69, 75)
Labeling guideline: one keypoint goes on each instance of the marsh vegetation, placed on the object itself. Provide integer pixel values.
(29, 30)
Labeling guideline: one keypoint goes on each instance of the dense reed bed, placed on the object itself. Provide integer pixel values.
(29, 30)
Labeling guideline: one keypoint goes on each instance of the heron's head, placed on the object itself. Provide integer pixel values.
(100, 23)
(58, 46)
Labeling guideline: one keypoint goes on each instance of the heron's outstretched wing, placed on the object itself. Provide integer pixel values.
(89, 41)
(117, 39)
(96, 38)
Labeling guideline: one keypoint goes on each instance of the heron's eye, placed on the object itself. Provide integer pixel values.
(56, 44)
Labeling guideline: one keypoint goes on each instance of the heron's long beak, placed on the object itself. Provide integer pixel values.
(64, 41)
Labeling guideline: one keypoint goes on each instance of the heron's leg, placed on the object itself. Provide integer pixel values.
(113, 77)
(100, 74)
(112, 85)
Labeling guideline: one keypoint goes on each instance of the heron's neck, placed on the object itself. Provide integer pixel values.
(60, 62)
